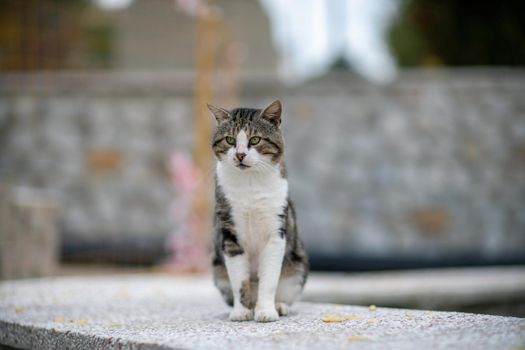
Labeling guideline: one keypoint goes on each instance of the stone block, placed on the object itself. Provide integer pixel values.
(28, 234)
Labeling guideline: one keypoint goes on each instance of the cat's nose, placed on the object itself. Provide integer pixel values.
(240, 156)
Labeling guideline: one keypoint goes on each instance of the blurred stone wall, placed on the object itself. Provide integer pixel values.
(431, 165)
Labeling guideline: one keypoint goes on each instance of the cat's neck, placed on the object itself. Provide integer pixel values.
(252, 190)
(266, 175)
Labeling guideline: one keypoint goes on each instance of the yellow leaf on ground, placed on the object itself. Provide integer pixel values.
(373, 320)
(333, 318)
(58, 319)
(19, 309)
(336, 318)
(353, 318)
(410, 315)
(357, 338)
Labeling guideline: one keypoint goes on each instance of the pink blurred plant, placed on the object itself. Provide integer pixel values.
(186, 252)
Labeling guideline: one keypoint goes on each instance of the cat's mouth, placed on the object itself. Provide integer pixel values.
(242, 166)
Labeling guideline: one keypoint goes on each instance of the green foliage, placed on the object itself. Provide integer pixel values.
(100, 45)
(459, 33)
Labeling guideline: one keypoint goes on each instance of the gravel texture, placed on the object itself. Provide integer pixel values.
(161, 312)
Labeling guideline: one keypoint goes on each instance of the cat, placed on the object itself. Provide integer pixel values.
(259, 263)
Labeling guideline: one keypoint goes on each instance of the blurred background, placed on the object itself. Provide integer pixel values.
(404, 122)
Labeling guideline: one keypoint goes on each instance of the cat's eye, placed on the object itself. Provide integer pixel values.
(255, 140)
(230, 140)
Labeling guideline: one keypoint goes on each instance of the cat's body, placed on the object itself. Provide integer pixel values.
(259, 263)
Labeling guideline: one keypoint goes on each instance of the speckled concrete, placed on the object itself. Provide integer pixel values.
(156, 312)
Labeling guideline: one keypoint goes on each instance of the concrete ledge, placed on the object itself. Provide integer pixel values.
(443, 289)
(158, 312)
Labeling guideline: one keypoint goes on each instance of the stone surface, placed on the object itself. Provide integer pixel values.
(152, 312)
(434, 289)
(442, 289)
(429, 165)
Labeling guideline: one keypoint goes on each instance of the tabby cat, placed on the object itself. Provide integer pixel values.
(259, 263)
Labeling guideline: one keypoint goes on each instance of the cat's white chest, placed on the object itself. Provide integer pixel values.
(256, 201)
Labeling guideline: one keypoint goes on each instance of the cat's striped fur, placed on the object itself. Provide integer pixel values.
(259, 263)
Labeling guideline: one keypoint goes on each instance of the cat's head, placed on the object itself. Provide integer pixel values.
(248, 139)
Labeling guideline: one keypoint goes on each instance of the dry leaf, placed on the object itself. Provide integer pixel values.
(372, 308)
(333, 318)
(373, 320)
(19, 309)
(357, 338)
(59, 319)
(353, 318)
(409, 315)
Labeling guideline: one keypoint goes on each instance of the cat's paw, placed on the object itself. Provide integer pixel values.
(241, 314)
(266, 315)
(282, 309)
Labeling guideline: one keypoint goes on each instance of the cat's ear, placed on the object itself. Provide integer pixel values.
(272, 113)
(220, 114)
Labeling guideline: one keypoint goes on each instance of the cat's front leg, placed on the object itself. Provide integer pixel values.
(269, 270)
(238, 268)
